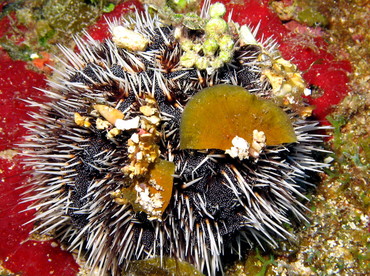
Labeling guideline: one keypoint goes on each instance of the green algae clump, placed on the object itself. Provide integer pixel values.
(215, 115)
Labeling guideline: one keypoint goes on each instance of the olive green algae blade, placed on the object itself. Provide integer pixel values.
(215, 115)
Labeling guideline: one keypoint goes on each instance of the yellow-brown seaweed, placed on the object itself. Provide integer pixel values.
(162, 175)
(215, 115)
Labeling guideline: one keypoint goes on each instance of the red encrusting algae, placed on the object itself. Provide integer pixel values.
(17, 253)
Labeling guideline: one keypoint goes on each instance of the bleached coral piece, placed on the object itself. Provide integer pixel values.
(127, 124)
(259, 142)
(128, 39)
(239, 149)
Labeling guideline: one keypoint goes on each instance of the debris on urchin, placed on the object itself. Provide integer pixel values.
(139, 154)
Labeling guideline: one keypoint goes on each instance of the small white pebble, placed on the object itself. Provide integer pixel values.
(246, 36)
(307, 92)
(34, 56)
(135, 138)
(328, 160)
(139, 155)
(128, 39)
(131, 149)
(127, 124)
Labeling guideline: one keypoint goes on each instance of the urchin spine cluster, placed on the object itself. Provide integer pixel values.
(219, 203)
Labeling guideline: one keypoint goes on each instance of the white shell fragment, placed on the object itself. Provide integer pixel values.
(243, 150)
(246, 36)
(239, 149)
(127, 124)
(259, 142)
(128, 39)
(307, 92)
(149, 202)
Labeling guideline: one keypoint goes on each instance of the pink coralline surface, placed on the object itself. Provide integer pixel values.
(28, 257)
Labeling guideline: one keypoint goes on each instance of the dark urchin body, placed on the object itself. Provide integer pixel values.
(218, 203)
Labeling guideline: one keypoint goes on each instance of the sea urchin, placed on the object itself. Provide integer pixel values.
(179, 140)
